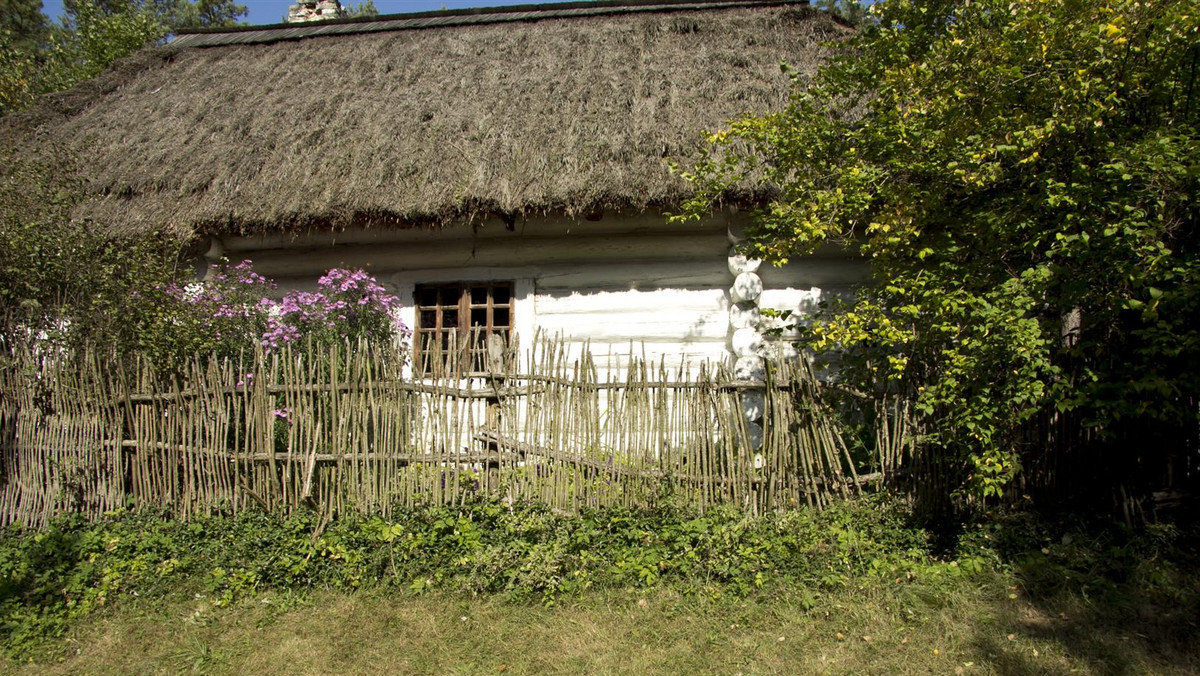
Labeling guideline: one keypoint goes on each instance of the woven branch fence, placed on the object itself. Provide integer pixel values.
(336, 430)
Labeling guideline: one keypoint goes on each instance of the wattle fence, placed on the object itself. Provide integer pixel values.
(337, 430)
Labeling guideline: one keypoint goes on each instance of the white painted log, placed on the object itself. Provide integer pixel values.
(745, 342)
(780, 349)
(747, 287)
(801, 302)
(615, 359)
(699, 273)
(448, 275)
(697, 301)
(563, 279)
(739, 263)
(673, 325)
(756, 435)
(754, 406)
(735, 230)
(749, 368)
(671, 348)
(492, 228)
(674, 349)
(215, 250)
(744, 316)
(705, 272)
(467, 253)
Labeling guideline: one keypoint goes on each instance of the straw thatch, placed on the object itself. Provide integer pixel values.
(421, 124)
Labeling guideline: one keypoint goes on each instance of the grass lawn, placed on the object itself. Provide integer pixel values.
(985, 624)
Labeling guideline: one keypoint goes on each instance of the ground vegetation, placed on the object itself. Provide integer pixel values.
(848, 589)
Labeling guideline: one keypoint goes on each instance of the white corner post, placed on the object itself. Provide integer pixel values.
(745, 337)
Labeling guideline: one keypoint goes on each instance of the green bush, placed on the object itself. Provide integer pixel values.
(523, 551)
(527, 552)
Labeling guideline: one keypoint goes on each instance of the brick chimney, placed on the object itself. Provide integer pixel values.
(315, 10)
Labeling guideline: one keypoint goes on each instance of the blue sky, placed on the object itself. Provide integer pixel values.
(272, 11)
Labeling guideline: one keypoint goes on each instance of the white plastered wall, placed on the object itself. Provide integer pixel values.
(620, 286)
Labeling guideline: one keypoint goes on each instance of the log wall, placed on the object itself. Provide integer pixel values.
(599, 286)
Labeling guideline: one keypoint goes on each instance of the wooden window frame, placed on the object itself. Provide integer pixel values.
(441, 309)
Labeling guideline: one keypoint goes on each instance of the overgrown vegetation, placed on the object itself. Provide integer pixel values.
(72, 282)
(234, 311)
(57, 272)
(524, 552)
(51, 580)
(1023, 178)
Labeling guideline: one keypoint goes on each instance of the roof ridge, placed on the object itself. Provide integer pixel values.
(205, 37)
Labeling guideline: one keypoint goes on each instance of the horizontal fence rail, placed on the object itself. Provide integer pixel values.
(336, 429)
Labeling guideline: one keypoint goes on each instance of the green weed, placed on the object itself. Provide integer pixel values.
(50, 580)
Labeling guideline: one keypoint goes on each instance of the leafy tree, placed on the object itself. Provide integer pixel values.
(94, 38)
(24, 32)
(19, 76)
(63, 55)
(364, 9)
(174, 14)
(1023, 178)
(24, 23)
(54, 269)
(208, 13)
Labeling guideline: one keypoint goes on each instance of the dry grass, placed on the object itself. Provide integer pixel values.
(571, 115)
(969, 628)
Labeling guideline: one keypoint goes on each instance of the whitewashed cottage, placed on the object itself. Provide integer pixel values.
(504, 170)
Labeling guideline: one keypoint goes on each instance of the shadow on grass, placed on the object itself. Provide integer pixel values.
(1118, 603)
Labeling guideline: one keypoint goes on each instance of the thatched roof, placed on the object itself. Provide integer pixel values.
(422, 118)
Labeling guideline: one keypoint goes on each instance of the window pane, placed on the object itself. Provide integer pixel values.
(457, 322)
(426, 296)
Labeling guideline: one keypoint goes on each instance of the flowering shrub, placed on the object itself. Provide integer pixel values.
(233, 312)
(350, 303)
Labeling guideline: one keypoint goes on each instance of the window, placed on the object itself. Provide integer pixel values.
(462, 327)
